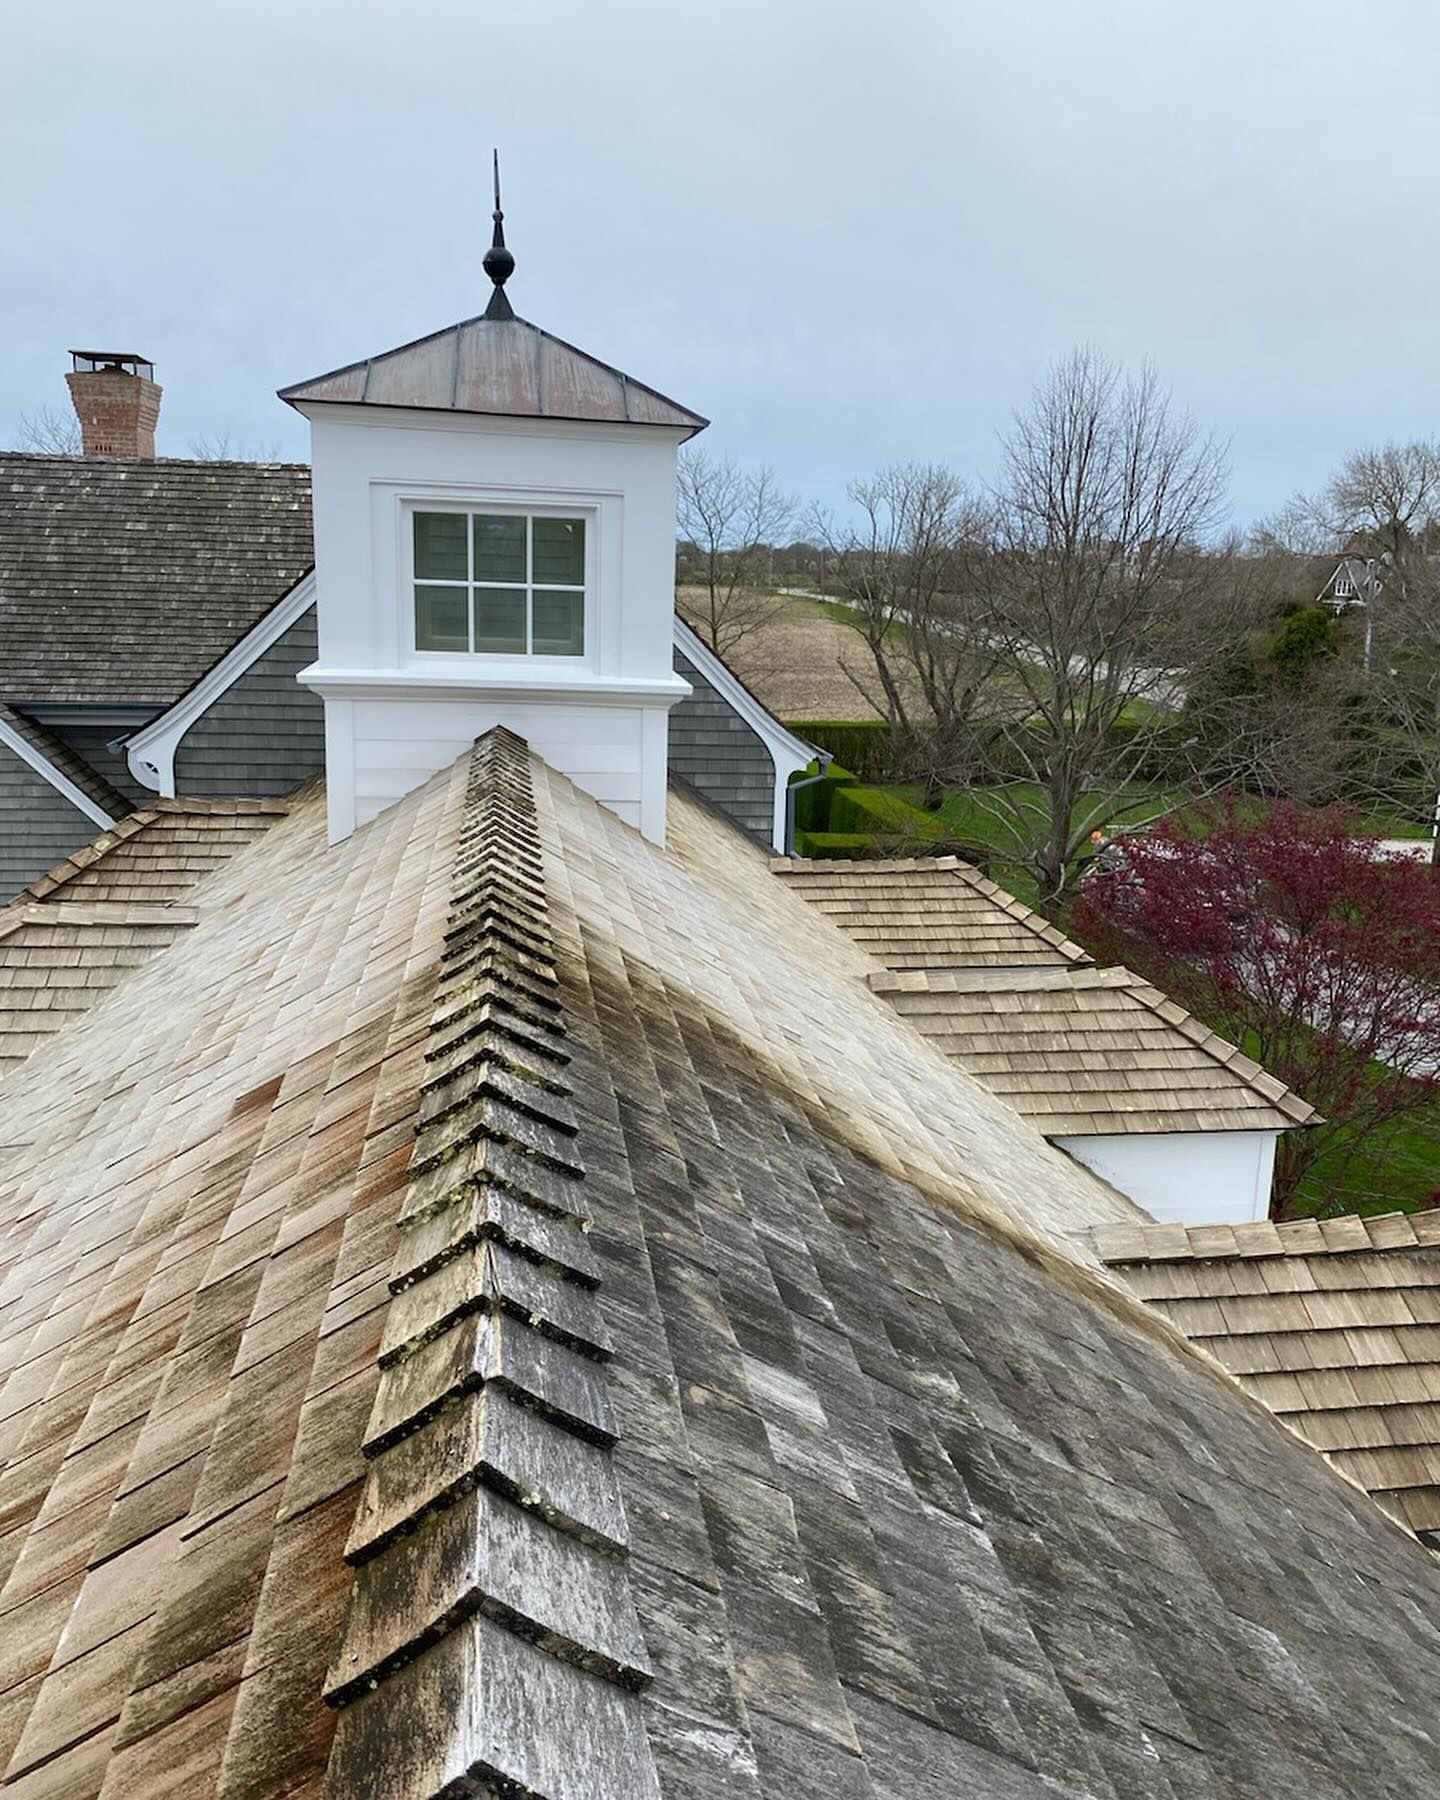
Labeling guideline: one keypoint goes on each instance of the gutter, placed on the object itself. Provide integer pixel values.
(824, 758)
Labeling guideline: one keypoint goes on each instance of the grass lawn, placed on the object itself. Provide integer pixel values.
(1396, 1170)
(967, 815)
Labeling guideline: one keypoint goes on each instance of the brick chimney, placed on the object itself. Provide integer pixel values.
(117, 401)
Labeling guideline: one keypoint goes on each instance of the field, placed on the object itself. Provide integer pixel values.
(796, 663)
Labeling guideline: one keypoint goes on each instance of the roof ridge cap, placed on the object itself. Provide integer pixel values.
(496, 1543)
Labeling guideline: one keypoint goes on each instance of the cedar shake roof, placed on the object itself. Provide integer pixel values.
(1090, 1052)
(499, 366)
(125, 580)
(1333, 1323)
(63, 759)
(929, 912)
(1080, 1051)
(81, 928)
(844, 1478)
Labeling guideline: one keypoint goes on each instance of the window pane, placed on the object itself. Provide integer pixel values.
(499, 548)
(559, 623)
(440, 547)
(500, 621)
(560, 551)
(440, 622)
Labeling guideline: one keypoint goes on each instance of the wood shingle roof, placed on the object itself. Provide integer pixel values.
(929, 912)
(84, 926)
(123, 580)
(61, 757)
(1080, 1051)
(1333, 1323)
(1087, 1052)
(915, 1502)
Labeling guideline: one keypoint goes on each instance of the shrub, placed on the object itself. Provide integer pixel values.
(835, 843)
(814, 800)
(1296, 937)
(1309, 636)
(882, 814)
(864, 745)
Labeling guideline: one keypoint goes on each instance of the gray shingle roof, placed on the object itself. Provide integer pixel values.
(504, 366)
(125, 580)
(916, 1504)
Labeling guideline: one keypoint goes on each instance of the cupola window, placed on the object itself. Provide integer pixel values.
(499, 584)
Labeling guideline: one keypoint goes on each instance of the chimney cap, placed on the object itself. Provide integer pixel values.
(126, 362)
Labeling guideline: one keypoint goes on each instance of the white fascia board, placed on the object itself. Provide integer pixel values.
(789, 753)
(371, 415)
(151, 752)
(460, 684)
(47, 771)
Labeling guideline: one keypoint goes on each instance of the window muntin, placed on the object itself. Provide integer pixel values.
(499, 584)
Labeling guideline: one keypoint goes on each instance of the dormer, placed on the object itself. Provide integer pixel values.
(494, 544)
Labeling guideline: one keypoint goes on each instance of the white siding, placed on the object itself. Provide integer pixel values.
(1185, 1177)
(397, 745)
(601, 718)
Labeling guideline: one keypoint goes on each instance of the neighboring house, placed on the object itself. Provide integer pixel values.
(1355, 581)
(1333, 1323)
(497, 1305)
(157, 616)
(1102, 1063)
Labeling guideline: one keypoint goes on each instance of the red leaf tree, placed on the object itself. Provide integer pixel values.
(1296, 938)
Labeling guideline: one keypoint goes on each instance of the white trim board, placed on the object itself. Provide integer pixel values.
(151, 752)
(43, 767)
(789, 753)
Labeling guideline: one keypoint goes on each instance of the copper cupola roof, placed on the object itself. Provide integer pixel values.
(500, 364)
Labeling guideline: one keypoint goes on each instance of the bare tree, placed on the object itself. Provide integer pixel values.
(1104, 603)
(221, 446)
(49, 433)
(1398, 729)
(1384, 504)
(1380, 502)
(903, 569)
(733, 517)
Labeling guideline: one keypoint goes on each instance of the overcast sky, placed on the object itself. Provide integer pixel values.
(847, 232)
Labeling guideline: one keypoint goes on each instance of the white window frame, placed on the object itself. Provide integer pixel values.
(589, 515)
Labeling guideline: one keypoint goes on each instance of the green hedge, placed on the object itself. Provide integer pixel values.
(834, 843)
(882, 814)
(872, 752)
(814, 800)
(863, 745)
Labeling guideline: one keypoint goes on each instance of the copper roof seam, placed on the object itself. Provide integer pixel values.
(490, 1491)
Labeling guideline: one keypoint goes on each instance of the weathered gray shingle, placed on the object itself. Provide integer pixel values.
(916, 1502)
(125, 580)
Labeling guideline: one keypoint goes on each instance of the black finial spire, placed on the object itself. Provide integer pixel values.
(499, 263)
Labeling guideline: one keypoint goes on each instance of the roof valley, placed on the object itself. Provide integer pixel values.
(490, 1540)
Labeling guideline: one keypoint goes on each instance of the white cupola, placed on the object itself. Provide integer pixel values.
(494, 544)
